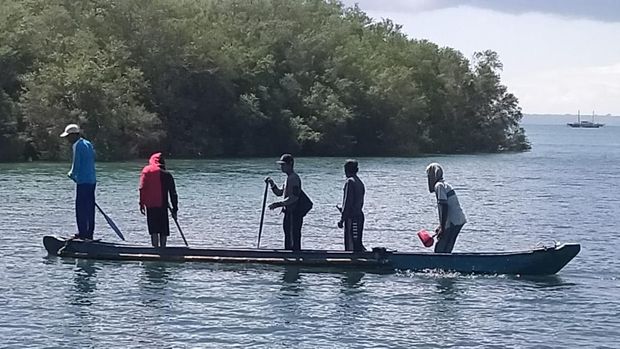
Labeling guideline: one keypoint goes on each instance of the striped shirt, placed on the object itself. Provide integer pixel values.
(446, 195)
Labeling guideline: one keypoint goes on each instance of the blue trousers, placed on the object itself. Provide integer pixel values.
(85, 210)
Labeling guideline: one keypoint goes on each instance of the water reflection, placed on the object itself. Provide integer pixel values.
(352, 282)
(155, 275)
(445, 304)
(82, 321)
(154, 284)
(545, 281)
(288, 306)
(352, 306)
(446, 287)
(291, 281)
(84, 282)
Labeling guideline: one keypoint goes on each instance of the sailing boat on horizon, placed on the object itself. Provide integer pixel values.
(585, 123)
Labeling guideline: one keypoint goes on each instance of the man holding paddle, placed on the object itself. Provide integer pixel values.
(291, 191)
(156, 184)
(83, 174)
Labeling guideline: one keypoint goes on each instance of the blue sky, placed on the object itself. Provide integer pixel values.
(559, 56)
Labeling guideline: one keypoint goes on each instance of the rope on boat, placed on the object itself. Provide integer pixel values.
(62, 249)
(541, 244)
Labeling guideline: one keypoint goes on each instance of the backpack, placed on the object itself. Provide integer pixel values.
(304, 204)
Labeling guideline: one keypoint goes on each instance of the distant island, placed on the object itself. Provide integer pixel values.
(216, 78)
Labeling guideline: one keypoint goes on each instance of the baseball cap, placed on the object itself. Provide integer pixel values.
(286, 159)
(71, 128)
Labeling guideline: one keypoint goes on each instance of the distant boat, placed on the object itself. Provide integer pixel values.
(584, 123)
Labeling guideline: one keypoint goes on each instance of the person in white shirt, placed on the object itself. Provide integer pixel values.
(451, 216)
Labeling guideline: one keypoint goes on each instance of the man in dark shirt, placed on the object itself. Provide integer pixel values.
(156, 184)
(352, 216)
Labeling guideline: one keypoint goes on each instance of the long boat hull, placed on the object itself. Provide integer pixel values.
(540, 261)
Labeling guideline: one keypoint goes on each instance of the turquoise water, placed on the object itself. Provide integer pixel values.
(565, 189)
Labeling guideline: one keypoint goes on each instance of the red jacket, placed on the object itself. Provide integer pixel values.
(155, 185)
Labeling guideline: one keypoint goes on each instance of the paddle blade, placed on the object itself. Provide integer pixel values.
(114, 227)
(426, 238)
(111, 223)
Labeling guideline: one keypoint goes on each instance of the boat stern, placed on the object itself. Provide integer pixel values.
(52, 244)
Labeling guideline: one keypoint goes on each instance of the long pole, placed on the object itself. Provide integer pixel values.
(262, 215)
(179, 227)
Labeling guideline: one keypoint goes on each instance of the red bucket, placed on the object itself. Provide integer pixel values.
(426, 238)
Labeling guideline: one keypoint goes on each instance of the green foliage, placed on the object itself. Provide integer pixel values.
(197, 78)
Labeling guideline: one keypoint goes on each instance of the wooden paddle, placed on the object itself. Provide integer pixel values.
(111, 223)
(262, 215)
(176, 221)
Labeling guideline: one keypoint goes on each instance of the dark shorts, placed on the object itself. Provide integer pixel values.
(157, 220)
(292, 230)
(353, 230)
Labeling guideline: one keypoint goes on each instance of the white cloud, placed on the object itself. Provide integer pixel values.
(598, 10)
(553, 64)
(563, 91)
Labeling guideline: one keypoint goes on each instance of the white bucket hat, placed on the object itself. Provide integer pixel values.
(71, 128)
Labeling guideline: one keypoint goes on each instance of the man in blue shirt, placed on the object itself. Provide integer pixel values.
(83, 174)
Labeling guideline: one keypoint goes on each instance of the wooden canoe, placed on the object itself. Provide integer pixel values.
(539, 261)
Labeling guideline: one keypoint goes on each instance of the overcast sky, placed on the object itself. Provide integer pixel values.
(559, 55)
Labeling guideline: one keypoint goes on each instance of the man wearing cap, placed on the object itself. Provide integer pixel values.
(352, 216)
(291, 192)
(83, 174)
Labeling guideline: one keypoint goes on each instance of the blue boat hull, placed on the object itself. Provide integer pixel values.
(541, 261)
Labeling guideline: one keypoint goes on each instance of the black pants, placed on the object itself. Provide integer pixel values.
(446, 242)
(157, 220)
(353, 229)
(292, 231)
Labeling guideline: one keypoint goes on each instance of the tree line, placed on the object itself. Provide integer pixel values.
(210, 78)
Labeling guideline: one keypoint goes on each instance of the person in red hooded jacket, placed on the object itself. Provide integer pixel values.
(156, 184)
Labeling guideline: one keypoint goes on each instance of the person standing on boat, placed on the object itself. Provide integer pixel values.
(83, 174)
(291, 192)
(451, 216)
(352, 217)
(156, 184)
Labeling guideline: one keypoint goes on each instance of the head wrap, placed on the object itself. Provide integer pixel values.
(434, 173)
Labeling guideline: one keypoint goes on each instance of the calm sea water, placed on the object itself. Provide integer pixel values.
(566, 189)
